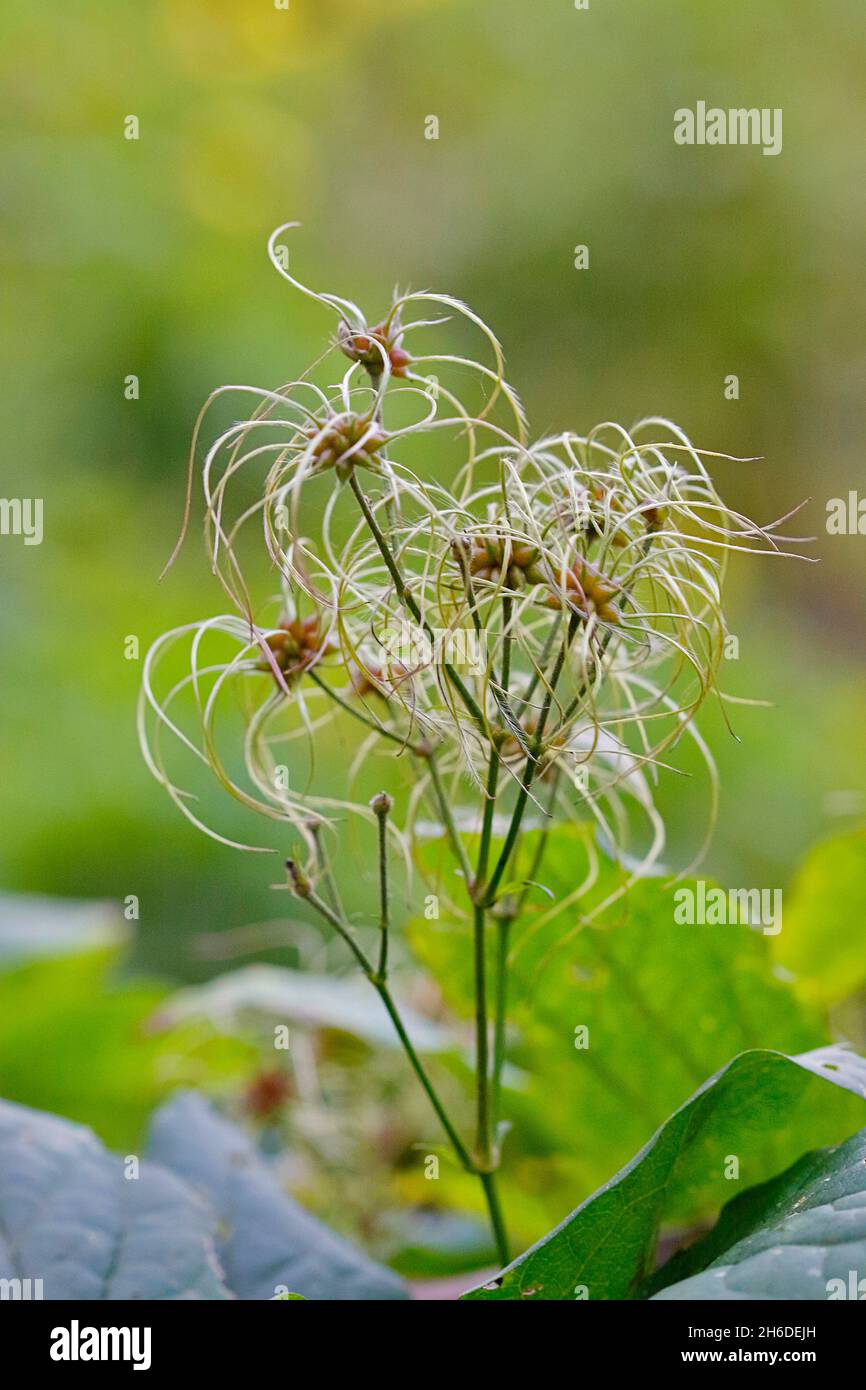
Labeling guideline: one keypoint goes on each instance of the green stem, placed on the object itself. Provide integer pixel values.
(448, 821)
(384, 916)
(606, 638)
(408, 601)
(504, 924)
(531, 767)
(540, 665)
(304, 890)
(415, 1062)
(482, 1063)
(487, 819)
(503, 930)
(488, 1182)
(356, 713)
(484, 1095)
(506, 643)
(325, 869)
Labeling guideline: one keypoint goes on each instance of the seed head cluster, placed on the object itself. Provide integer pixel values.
(398, 555)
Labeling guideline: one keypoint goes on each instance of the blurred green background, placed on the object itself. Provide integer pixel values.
(148, 257)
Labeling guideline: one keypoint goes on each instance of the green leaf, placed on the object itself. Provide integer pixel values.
(268, 1243)
(426, 1244)
(71, 1042)
(820, 942)
(77, 1042)
(665, 1005)
(604, 1249)
(800, 1236)
(73, 1216)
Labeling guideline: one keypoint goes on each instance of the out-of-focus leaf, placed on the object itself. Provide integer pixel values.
(75, 1042)
(429, 1243)
(604, 1249)
(72, 1215)
(800, 1236)
(32, 926)
(821, 940)
(664, 1005)
(319, 1001)
(268, 1243)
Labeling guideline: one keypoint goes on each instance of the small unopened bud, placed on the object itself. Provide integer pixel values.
(381, 804)
(654, 517)
(298, 880)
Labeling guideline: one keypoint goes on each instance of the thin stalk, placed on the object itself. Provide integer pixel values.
(540, 848)
(574, 703)
(487, 819)
(503, 932)
(325, 869)
(382, 804)
(505, 675)
(606, 638)
(356, 713)
(482, 1062)
(409, 602)
(530, 767)
(488, 1182)
(500, 695)
(484, 1105)
(504, 923)
(303, 888)
(540, 665)
(448, 821)
(456, 1142)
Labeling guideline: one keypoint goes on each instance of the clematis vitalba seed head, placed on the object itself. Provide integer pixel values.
(345, 441)
(375, 348)
(297, 645)
(484, 593)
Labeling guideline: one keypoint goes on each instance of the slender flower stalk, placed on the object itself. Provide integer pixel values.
(526, 630)
(382, 806)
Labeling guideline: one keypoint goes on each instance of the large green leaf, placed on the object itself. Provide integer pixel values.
(74, 1040)
(605, 1248)
(89, 1226)
(665, 1005)
(821, 940)
(73, 1043)
(268, 1243)
(801, 1236)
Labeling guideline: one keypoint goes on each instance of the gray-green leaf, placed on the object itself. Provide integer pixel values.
(77, 1218)
(269, 1244)
(800, 1236)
